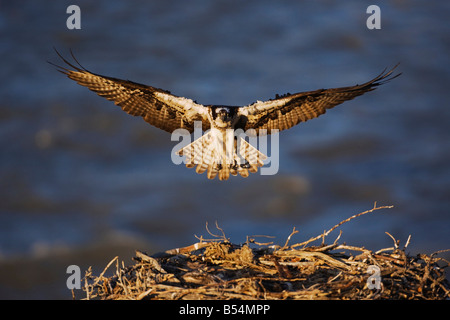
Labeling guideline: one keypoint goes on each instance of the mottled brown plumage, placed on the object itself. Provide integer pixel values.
(157, 106)
(289, 110)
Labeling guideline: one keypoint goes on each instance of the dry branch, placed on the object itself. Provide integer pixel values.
(218, 269)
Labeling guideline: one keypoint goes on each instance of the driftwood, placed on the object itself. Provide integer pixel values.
(217, 269)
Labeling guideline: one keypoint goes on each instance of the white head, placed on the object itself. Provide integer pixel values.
(222, 116)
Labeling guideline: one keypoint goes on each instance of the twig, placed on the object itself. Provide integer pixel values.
(396, 242)
(104, 270)
(407, 242)
(341, 223)
(223, 237)
(331, 246)
(152, 261)
(385, 249)
(144, 294)
(221, 230)
(440, 251)
(250, 239)
(289, 238)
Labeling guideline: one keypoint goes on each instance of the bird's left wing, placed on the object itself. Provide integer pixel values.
(158, 107)
(289, 110)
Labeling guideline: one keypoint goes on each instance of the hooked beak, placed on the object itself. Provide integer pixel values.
(223, 115)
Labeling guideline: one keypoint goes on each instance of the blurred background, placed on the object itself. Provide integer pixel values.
(82, 182)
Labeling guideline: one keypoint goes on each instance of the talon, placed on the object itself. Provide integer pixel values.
(246, 165)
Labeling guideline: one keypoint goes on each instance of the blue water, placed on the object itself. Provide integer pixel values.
(81, 181)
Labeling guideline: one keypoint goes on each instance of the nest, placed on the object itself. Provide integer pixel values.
(218, 269)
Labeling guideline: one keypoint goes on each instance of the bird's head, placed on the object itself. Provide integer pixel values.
(222, 116)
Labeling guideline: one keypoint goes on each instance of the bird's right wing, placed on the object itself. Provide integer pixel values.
(158, 107)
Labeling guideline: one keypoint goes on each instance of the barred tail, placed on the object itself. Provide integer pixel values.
(204, 154)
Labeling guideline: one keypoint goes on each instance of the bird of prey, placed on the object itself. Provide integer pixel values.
(218, 152)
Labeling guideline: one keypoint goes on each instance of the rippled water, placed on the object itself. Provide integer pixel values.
(81, 181)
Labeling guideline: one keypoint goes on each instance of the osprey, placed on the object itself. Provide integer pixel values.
(218, 152)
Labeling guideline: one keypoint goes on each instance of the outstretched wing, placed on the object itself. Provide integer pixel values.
(289, 110)
(158, 107)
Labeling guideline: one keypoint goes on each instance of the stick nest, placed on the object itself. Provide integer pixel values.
(217, 269)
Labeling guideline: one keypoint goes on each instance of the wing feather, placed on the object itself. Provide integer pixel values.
(157, 106)
(289, 110)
